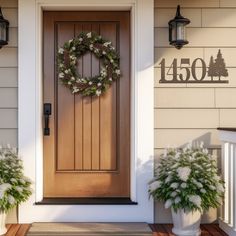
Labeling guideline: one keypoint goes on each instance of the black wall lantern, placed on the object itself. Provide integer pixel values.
(4, 30)
(177, 34)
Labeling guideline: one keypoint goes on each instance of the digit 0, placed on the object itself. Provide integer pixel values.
(203, 66)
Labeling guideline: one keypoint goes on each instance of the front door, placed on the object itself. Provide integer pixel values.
(87, 153)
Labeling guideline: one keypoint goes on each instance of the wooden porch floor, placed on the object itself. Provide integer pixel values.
(207, 230)
(158, 230)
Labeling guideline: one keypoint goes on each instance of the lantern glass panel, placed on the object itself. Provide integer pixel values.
(174, 30)
(181, 31)
(3, 31)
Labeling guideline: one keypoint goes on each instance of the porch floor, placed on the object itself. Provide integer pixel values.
(158, 230)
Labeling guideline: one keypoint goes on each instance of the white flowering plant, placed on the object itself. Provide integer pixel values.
(14, 186)
(187, 179)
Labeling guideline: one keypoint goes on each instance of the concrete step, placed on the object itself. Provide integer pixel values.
(89, 229)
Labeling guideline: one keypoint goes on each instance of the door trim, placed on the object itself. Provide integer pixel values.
(142, 111)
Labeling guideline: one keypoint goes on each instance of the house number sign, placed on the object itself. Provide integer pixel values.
(195, 71)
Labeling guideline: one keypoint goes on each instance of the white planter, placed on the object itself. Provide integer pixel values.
(186, 223)
(3, 228)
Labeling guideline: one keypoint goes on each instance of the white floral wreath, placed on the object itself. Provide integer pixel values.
(75, 48)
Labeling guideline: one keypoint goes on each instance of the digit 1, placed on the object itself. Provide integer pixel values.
(163, 71)
(174, 70)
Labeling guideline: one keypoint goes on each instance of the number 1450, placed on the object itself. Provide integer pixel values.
(184, 71)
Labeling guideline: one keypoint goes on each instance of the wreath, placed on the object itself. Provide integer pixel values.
(73, 49)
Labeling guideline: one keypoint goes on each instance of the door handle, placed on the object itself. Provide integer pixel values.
(47, 111)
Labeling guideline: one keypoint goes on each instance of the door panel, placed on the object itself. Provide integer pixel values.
(88, 151)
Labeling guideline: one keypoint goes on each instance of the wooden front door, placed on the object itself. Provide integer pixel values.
(87, 153)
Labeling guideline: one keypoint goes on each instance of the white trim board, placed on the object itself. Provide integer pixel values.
(30, 111)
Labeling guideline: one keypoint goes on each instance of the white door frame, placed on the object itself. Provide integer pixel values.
(142, 124)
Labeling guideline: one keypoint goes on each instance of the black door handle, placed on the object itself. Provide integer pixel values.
(47, 111)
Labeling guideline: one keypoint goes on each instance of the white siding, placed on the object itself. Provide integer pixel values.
(8, 84)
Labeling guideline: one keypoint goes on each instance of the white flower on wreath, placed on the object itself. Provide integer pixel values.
(80, 39)
(103, 73)
(72, 78)
(74, 87)
(69, 83)
(75, 91)
(183, 173)
(99, 84)
(104, 52)
(90, 82)
(61, 75)
(91, 47)
(89, 35)
(98, 92)
(117, 72)
(61, 50)
(73, 48)
(71, 40)
(72, 57)
(66, 71)
(110, 79)
(106, 44)
(61, 65)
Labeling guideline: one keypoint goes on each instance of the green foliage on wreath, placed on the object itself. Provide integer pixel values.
(73, 49)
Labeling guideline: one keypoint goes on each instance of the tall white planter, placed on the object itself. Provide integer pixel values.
(186, 223)
(3, 228)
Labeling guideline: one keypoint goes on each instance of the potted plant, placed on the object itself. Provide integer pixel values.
(14, 186)
(187, 181)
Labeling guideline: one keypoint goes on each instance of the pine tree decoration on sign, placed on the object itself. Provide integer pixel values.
(212, 69)
(220, 68)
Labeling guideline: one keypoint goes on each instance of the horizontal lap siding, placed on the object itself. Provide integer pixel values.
(185, 112)
(8, 84)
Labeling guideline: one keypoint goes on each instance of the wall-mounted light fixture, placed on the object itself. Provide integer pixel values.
(177, 34)
(4, 30)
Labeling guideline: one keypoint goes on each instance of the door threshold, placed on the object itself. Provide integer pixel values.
(86, 201)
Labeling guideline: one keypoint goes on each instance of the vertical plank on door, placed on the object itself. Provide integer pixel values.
(108, 124)
(87, 111)
(65, 111)
(95, 112)
(79, 114)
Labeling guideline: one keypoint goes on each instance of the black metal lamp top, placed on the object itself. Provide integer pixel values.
(4, 30)
(177, 36)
